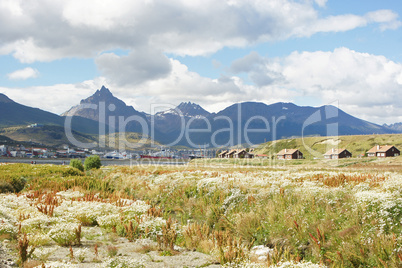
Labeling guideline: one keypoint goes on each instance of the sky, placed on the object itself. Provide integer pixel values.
(53, 53)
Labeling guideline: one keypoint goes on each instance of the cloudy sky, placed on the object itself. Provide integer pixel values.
(54, 53)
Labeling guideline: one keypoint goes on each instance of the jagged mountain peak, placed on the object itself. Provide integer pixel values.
(395, 126)
(102, 94)
(192, 109)
(104, 91)
(113, 106)
(187, 109)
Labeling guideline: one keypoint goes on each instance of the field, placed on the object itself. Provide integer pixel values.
(51, 135)
(234, 213)
(358, 145)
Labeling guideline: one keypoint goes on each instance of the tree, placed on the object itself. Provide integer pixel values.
(92, 162)
(76, 163)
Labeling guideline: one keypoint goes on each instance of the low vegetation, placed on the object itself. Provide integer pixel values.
(358, 145)
(92, 162)
(53, 135)
(244, 215)
(77, 163)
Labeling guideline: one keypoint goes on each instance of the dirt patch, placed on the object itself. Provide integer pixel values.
(331, 141)
(142, 252)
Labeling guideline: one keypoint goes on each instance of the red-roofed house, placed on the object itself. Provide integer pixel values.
(383, 151)
(223, 154)
(337, 153)
(289, 154)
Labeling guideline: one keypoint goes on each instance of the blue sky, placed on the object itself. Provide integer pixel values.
(310, 52)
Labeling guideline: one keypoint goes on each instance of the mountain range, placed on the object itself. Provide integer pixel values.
(190, 125)
(15, 114)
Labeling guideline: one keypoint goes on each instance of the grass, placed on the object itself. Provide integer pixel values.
(356, 144)
(13, 178)
(53, 135)
(347, 216)
(50, 135)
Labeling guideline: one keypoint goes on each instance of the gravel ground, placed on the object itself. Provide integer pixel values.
(6, 260)
(125, 249)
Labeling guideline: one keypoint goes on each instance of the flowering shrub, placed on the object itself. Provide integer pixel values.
(384, 208)
(84, 211)
(81, 254)
(37, 221)
(152, 225)
(121, 262)
(69, 194)
(64, 234)
(43, 254)
(109, 220)
(335, 217)
(6, 227)
(38, 239)
(136, 208)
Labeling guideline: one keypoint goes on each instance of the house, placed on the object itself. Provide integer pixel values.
(264, 156)
(223, 154)
(242, 153)
(289, 154)
(35, 125)
(231, 153)
(40, 152)
(337, 153)
(236, 153)
(3, 150)
(383, 151)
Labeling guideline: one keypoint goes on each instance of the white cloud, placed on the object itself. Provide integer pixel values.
(213, 94)
(366, 85)
(47, 30)
(321, 3)
(178, 86)
(56, 98)
(135, 68)
(23, 74)
(386, 18)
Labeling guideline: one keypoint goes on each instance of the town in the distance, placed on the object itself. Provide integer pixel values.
(186, 131)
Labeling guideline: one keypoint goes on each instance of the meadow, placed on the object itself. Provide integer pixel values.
(313, 147)
(206, 214)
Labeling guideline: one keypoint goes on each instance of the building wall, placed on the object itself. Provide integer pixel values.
(392, 152)
(345, 154)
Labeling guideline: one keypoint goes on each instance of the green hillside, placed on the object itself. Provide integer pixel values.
(15, 114)
(55, 136)
(315, 147)
(129, 141)
(48, 135)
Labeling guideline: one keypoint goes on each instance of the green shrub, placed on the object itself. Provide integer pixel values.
(76, 163)
(18, 183)
(6, 187)
(13, 185)
(92, 162)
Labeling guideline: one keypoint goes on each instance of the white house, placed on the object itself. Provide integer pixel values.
(3, 150)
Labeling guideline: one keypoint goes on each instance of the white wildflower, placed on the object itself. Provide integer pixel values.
(63, 233)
